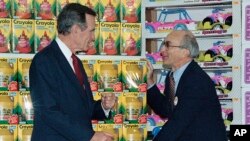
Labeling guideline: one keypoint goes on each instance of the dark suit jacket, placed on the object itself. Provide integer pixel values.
(197, 114)
(63, 108)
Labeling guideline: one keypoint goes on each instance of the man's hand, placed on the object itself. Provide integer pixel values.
(108, 100)
(102, 136)
(150, 79)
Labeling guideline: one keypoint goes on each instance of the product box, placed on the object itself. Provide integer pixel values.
(93, 4)
(134, 75)
(5, 9)
(23, 36)
(109, 10)
(90, 69)
(25, 108)
(113, 129)
(133, 107)
(8, 74)
(8, 108)
(45, 9)
(23, 73)
(109, 75)
(45, 32)
(8, 132)
(62, 3)
(22, 9)
(110, 38)
(134, 132)
(24, 132)
(131, 11)
(116, 111)
(130, 39)
(5, 35)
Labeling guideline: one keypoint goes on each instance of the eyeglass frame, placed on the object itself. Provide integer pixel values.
(167, 44)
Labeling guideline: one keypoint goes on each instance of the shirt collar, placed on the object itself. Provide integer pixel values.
(64, 48)
(178, 73)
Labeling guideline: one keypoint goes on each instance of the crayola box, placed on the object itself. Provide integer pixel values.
(133, 107)
(8, 132)
(5, 9)
(110, 38)
(25, 108)
(134, 75)
(62, 3)
(134, 132)
(131, 11)
(45, 32)
(24, 132)
(8, 74)
(116, 116)
(109, 10)
(93, 4)
(93, 47)
(23, 73)
(45, 9)
(22, 9)
(23, 36)
(90, 69)
(109, 75)
(5, 35)
(130, 39)
(8, 108)
(113, 129)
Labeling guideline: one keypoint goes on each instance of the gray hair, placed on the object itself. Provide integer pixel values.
(71, 14)
(189, 42)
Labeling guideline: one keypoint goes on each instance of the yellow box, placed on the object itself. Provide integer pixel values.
(109, 10)
(26, 111)
(109, 75)
(90, 69)
(24, 132)
(23, 73)
(134, 132)
(134, 75)
(130, 39)
(62, 3)
(45, 9)
(5, 8)
(5, 35)
(114, 129)
(110, 38)
(8, 74)
(22, 9)
(131, 10)
(23, 36)
(45, 32)
(8, 132)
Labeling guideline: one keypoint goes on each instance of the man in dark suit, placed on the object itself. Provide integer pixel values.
(189, 102)
(61, 95)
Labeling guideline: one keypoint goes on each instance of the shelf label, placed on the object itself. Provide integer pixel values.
(247, 66)
(247, 23)
(247, 107)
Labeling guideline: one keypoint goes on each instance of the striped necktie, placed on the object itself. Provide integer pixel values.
(77, 69)
(171, 89)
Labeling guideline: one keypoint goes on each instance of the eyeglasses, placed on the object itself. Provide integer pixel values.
(167, 44)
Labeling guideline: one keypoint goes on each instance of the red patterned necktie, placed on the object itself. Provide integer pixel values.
(77, 69)
(171, 89)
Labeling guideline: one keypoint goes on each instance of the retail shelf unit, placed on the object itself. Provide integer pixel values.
(207, 39)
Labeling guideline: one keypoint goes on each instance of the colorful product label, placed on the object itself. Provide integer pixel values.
(22, 9)
(45, 9)
(90, 69)
(131, 11)
(23, 73)
(24, 132)
(8, 132)
(109, 10)
(5, 35)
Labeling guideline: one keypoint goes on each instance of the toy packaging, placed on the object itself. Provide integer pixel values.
(45, 9)
(8, 105)
(134, 132)
(109, 10)
(45, 32)
(22, 9)
(227, 111)
(90, 69)
(8, 132)
(110, 38)
(25, 111)
(134, 74)
(130, 39)
(24, 132)
(23, 73)
(5, 35)
(109, 75)
(23, 37)
(93, 4)
(131, 11)
(8, 74)
(62, 3)
(5, 8)
(94, 46)
(114, 129)
(134, 107)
